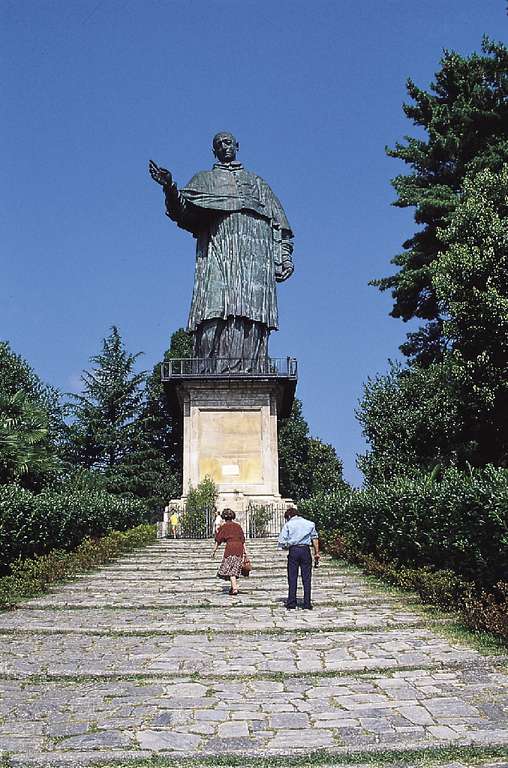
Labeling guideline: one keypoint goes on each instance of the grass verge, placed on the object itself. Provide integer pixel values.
(426, 757)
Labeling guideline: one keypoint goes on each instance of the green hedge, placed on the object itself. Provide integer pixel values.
(458, 522)
(31, 576)
(479, 609)
(33, 524)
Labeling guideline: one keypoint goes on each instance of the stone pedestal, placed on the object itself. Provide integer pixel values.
(230, 434)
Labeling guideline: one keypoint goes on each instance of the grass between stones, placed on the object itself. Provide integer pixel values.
(196, 677)
(424, 757)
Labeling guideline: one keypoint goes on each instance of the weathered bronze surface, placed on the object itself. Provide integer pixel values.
(244, 246)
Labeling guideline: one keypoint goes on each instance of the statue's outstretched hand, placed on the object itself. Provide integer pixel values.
(161, 175)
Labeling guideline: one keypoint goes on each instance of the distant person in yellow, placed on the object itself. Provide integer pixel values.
(174, 520)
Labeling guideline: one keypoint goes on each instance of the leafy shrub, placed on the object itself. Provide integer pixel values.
(259, 518)
(31, 576)
(480, 609)
(488, 610)
(35, 524)
(458, 522)
(196, 518)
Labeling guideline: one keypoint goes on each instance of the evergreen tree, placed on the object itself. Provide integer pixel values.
(325, 468)
(454, 411)
(30, 424)
(153, 468)
(470, 277)
(158, 427)
(465, 118)
(412, 419)
(105, 425)
(293, 437)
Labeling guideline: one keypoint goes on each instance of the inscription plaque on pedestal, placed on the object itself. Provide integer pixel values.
(230, 446)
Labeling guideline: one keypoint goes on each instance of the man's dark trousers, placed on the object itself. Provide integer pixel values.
(299, 558)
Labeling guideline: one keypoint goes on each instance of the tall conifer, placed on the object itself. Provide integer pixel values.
(464, 120)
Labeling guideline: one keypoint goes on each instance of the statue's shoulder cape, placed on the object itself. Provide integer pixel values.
(223, 190)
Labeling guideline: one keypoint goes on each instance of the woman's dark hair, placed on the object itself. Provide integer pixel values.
(228, 514)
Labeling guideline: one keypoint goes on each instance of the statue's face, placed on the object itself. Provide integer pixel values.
(225, 147)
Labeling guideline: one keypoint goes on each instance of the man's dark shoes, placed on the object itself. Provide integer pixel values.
(290, 607)
(308, 607)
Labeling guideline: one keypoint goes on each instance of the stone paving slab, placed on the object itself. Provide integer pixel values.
(197, 582)
(118, 757)
(298, 714)
(206, 654)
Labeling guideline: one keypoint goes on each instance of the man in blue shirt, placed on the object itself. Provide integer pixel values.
(297, 536)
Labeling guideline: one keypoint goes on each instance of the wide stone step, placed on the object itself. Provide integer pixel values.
(167, 564)
(217, 597)
(224, 617)
(164, 602)
(207, 655)
(424, 708)
(189, 592)
(207, 577)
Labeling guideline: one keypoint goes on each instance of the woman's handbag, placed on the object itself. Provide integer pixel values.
(246, 566)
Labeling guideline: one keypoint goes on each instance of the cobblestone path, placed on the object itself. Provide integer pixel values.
(151, 656)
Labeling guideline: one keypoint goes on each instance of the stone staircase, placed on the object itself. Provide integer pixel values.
(150, 656)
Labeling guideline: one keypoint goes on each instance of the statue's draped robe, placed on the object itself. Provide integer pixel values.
(243, 236)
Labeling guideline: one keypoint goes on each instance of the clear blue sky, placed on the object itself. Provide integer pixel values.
(92, 89)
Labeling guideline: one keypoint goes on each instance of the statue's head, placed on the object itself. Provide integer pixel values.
(225, 147)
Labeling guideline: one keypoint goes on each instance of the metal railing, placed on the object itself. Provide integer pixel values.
(264, 520)
(229, 366)
(191, 523)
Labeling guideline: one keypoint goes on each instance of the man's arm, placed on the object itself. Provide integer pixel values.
(283, 539)
(315, 543)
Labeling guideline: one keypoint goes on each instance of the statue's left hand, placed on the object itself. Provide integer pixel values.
(286, 271)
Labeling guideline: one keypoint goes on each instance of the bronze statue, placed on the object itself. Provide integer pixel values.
(244, 246)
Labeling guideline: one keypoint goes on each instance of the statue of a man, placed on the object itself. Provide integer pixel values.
(244, 246)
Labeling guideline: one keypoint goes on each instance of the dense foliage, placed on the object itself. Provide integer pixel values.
(456, 520)
(199, 508)
(412, 419)
(464, 118)
(470, 278)
(34, 524)
(454, 411)
(30, 424)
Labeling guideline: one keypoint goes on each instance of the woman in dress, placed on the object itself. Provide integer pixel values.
(230, 534)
